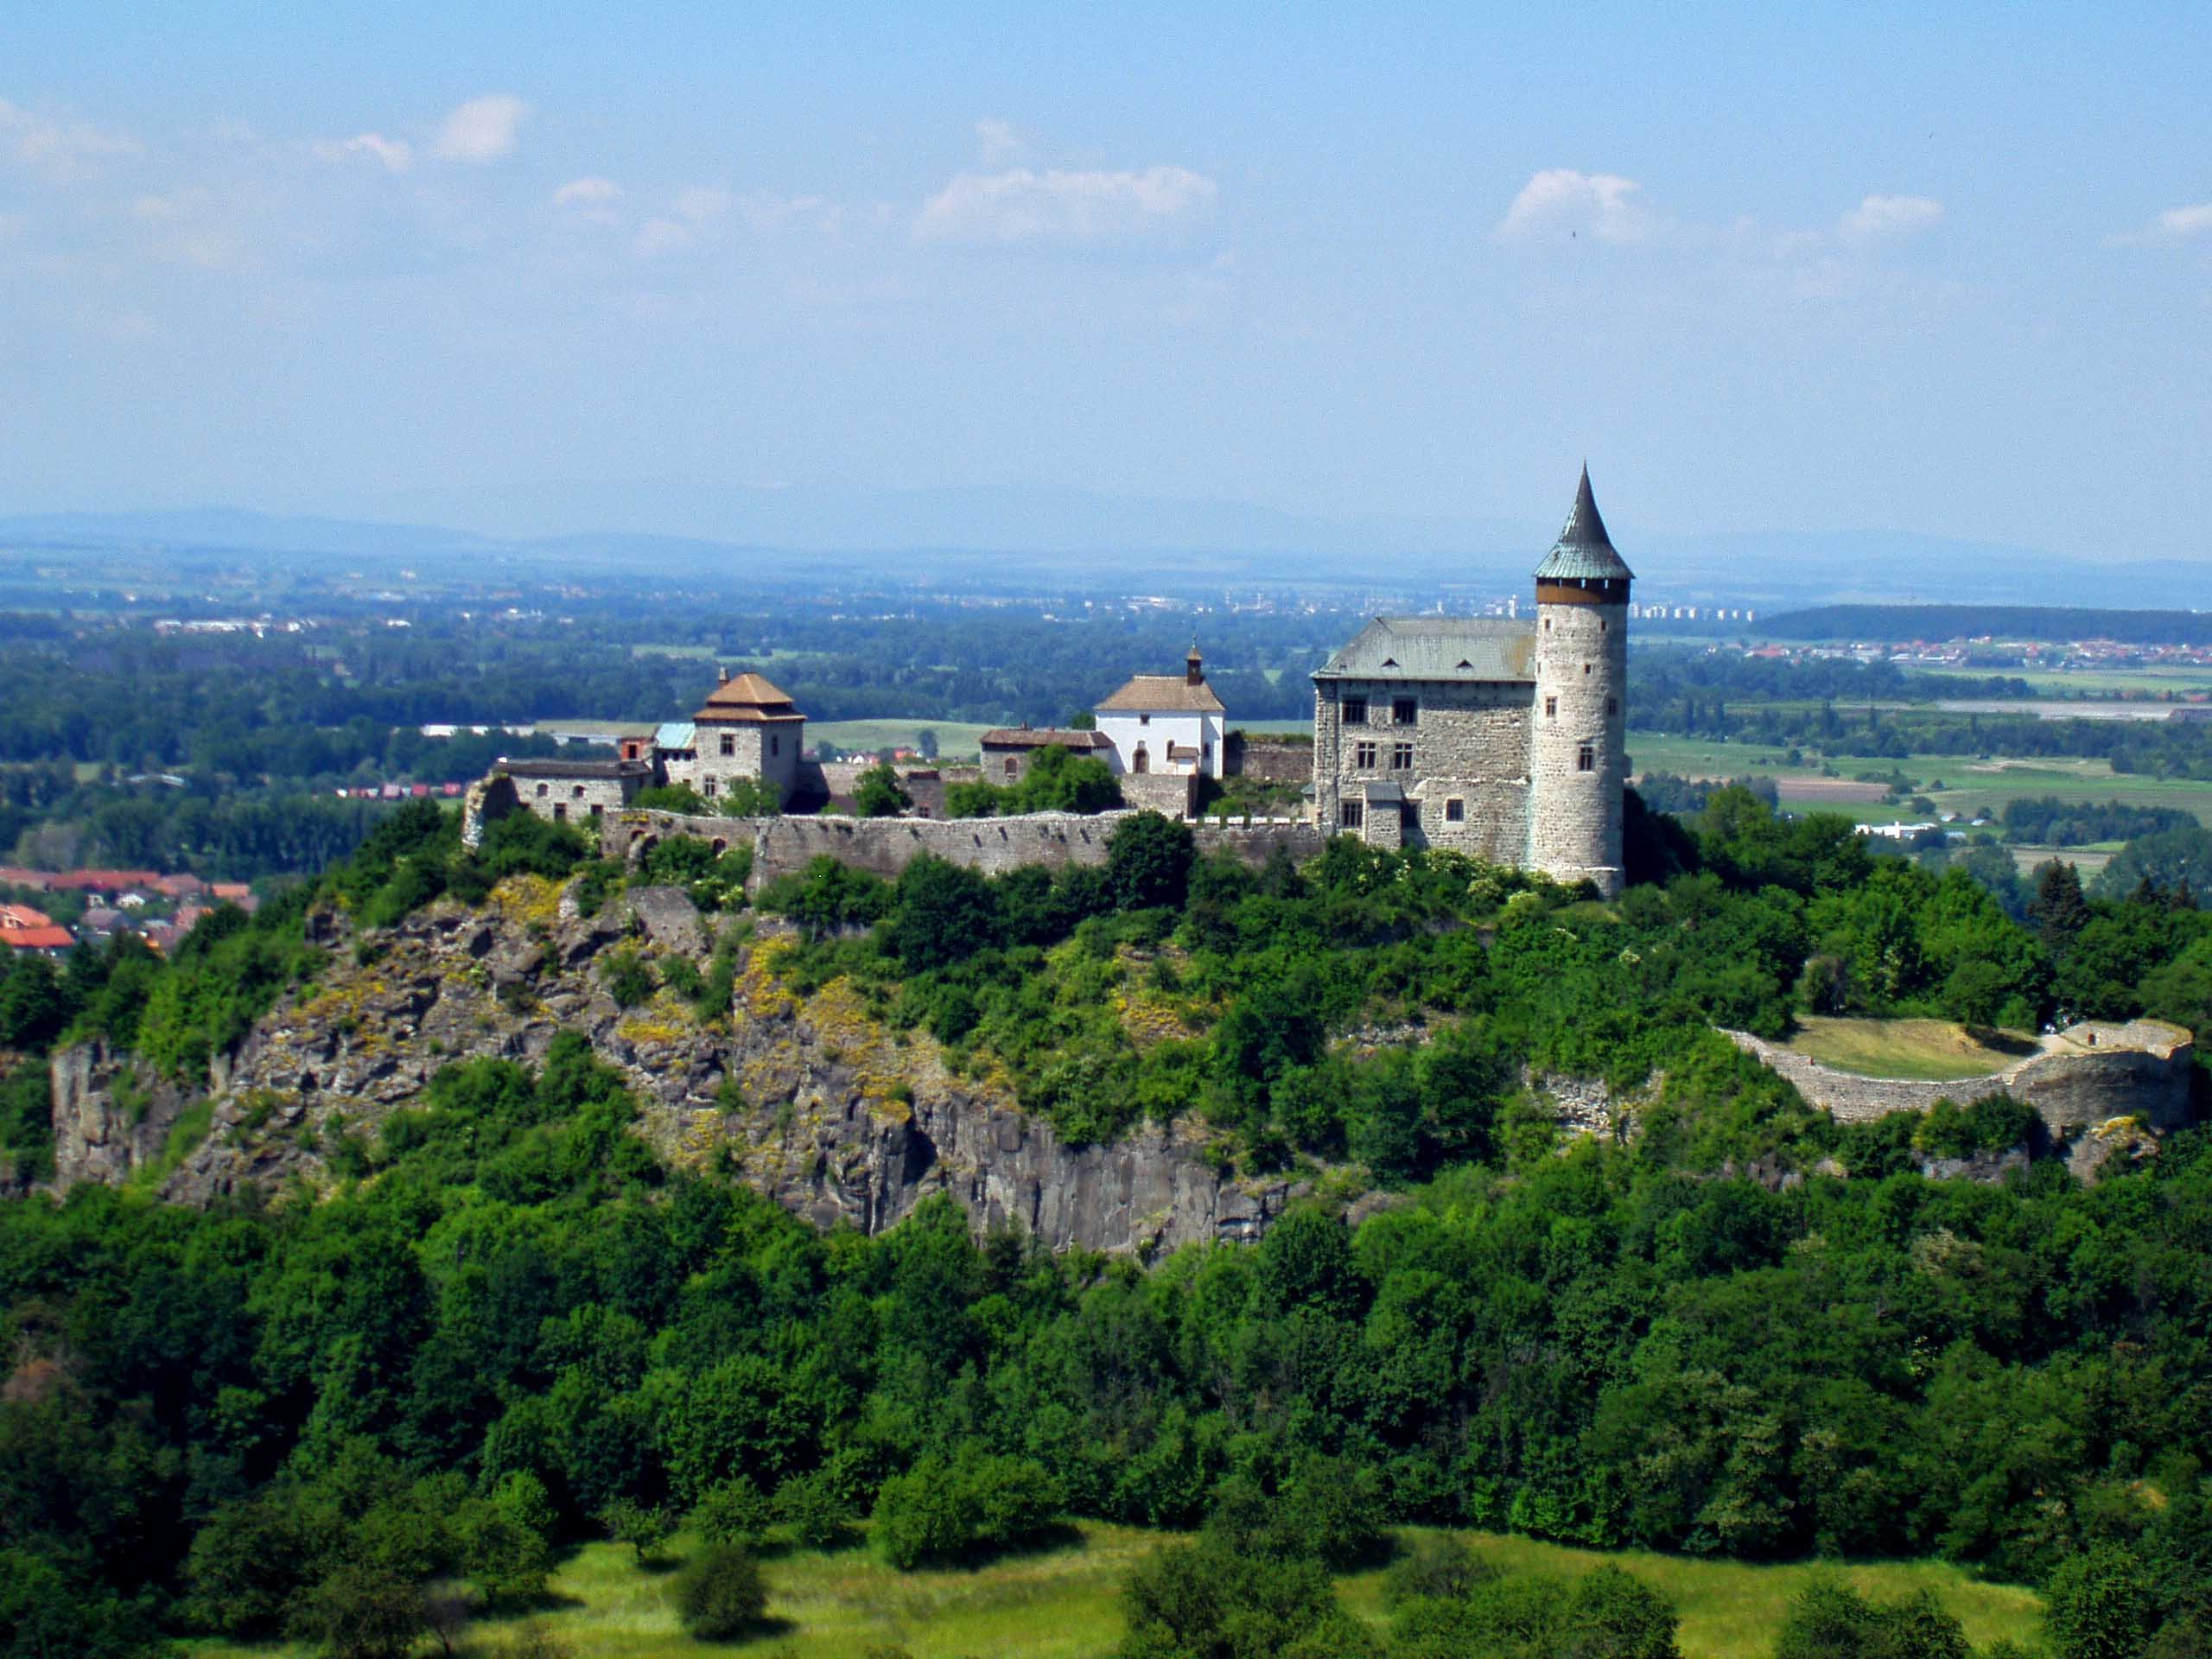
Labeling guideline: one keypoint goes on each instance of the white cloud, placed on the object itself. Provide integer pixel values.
(700, 204)
(586, 193)
(2186, 221)
(482, 129)
(691, 212)
(1888, 218)
(998, 141)
(396, 155)
(1020, 206)
(56, 150)
(1561, 201)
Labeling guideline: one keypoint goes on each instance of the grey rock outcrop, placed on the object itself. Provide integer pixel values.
(809, 1098)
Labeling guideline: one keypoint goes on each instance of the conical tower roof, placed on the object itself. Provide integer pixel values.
(1584, 550)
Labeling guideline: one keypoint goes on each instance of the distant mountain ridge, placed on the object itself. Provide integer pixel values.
(1063, 540)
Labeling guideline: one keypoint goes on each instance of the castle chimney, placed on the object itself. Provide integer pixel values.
(721, 677)
(1193, 672)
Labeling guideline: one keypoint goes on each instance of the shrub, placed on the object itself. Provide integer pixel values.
(643, 1528)
(879, 794)
(734, 1512)
(941, 1511)
(719, 1594)
(628, 977)
(813, 1508)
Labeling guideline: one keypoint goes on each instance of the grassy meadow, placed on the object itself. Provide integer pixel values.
(956, 740)
(1063, 1602)
(1924, 1050)
(1970, 787)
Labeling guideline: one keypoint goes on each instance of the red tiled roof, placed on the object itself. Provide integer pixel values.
(23, 916)
(38, 939)
(1160, 693)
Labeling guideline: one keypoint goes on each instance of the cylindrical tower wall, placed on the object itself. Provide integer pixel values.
(1578, 763)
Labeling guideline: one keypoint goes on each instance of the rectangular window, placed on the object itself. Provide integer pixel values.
(1363, 754)
(1355, 711)
(775, 745)
(1402, 757)
(596, 808)
(1349, 814)
(1144, 720)
(1612, 705)
(1455, 812)
(730, 742)
(1551, 708)
(1585, 759)
(1403, 711)
(707, 787)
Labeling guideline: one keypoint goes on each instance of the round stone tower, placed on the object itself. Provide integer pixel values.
(1577, 762)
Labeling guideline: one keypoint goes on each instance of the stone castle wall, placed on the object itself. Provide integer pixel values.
(1267, 757)
(2078, 1079)
(883, 847)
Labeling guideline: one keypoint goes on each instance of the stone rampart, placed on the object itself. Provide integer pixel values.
(2076, 1080)
(1269, 757)
(883, 847)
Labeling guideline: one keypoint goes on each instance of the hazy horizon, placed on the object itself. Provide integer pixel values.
(547, 271)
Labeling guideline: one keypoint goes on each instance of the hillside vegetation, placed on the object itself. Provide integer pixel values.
(363, 1417)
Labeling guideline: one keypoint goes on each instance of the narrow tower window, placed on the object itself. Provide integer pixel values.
(1612, 705)
(1551, 708)
(1585, 759)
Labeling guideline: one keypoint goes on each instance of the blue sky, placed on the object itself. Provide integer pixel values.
(1940, 268)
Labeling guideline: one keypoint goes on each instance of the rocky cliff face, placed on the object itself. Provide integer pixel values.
(808, 1097)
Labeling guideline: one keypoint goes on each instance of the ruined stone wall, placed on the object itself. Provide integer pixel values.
(2078, 1079)
(1268, 757)
(883, 847)
(573, 800)
(1174, 795)
(1574, 817)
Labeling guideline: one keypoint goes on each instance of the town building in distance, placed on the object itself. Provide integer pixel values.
(1499, 736)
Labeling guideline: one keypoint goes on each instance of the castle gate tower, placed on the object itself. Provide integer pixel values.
(1578, 761)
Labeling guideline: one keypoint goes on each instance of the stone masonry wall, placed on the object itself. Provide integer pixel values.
(1574, 823)
(2078, 1079)
(1470, 745)
(883, 847)
(1268, 757)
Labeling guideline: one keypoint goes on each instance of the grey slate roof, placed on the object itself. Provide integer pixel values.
(677, 735)
(1584, 550)
(1464, 648)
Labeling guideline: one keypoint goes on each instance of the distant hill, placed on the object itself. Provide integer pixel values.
(1898, 622)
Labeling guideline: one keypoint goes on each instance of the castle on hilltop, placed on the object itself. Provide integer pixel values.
(1498, 737)
(1501, 737)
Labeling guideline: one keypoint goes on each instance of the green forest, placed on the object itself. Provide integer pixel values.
(1744, 1331)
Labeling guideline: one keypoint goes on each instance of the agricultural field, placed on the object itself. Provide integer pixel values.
(1923, 1050)
(956, 739)
(1971, 788)
(2178, 680)
(1063, 1602)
